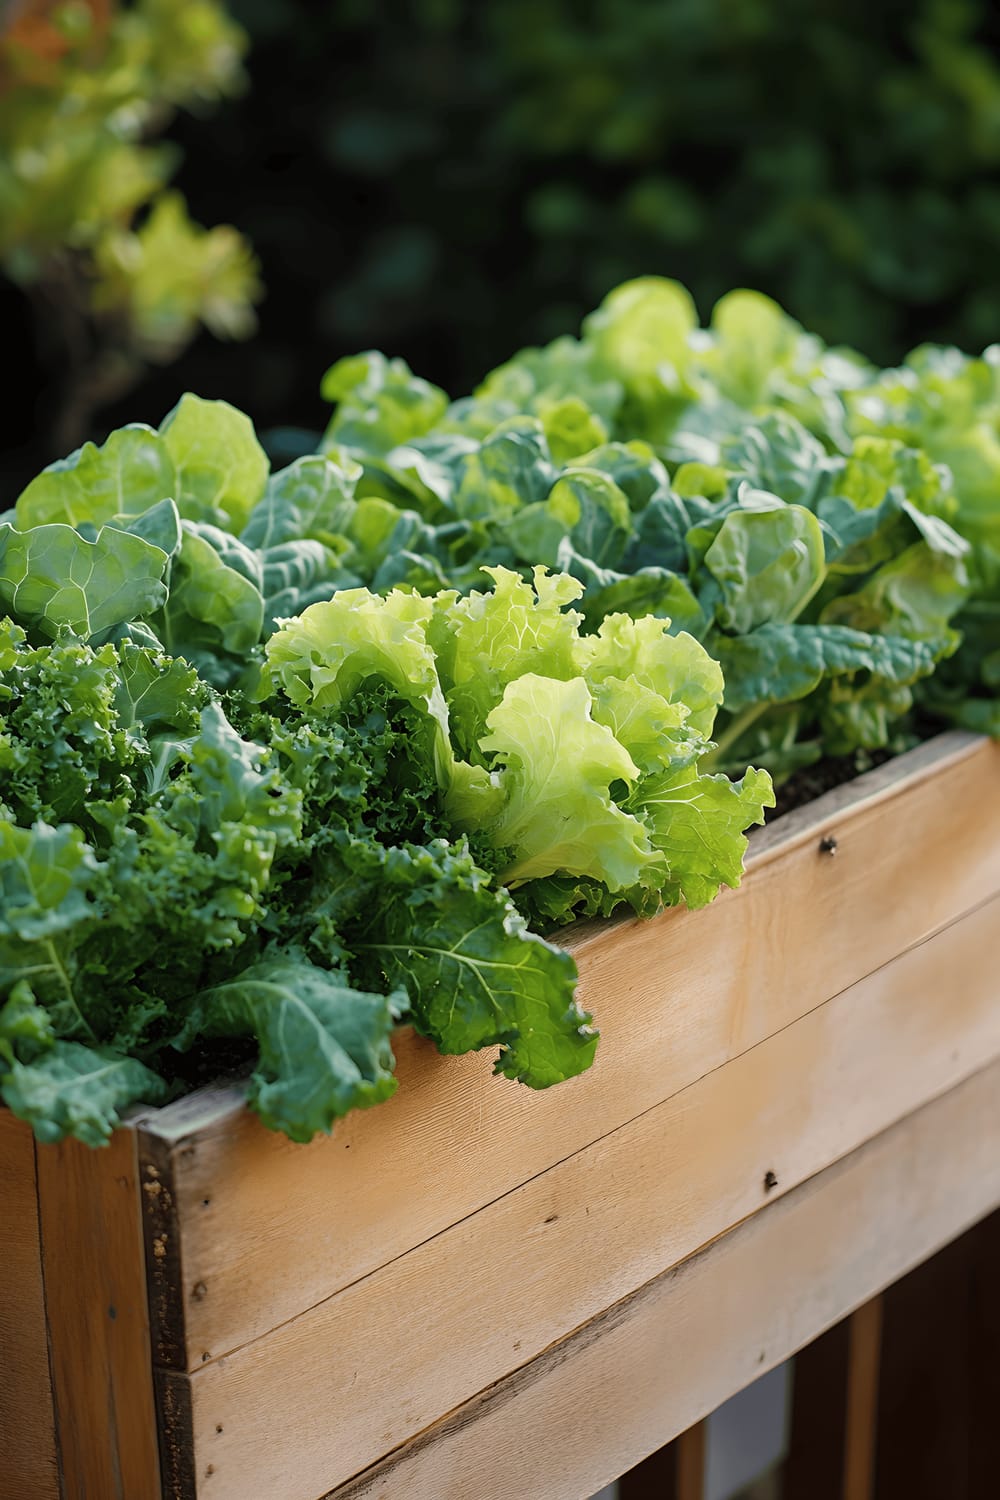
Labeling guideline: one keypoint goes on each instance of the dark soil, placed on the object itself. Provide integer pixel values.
(812, 781)
(220, 1061)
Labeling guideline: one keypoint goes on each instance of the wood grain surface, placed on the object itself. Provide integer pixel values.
(393, 1352)
(676, 998)
(27, 1422)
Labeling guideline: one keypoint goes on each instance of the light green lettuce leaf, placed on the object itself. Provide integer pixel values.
(486, 640)
(696, 822)
(676, 667)
(915, 594)
(221, 469)
(131, 473)
(571, 428)
(557, 768)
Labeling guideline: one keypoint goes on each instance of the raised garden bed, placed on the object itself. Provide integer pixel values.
(477, 1289)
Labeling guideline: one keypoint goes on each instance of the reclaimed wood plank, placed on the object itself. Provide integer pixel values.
(98, 1318)
(591, 1406)
(588, 1232)
(27, 1419)
(676, 998)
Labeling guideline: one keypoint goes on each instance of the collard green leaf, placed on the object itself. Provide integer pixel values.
(510, 469)
(767, 565)
(781, 663)
(312, 498)
(215, 608)
(380, 403)
(325, 1047)
(76, 1090)
(52, 579)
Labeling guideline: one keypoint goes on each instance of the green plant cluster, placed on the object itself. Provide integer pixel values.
(244, 796)
(290, 756)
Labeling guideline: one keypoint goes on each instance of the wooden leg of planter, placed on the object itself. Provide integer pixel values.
(940, 1387)
(864, 1345)
(676, 1472)
(835, 1411)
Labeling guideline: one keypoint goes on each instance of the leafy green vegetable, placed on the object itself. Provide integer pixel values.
(285, 759)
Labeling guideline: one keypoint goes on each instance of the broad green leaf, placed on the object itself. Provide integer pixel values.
(754, 340)
(130, 474)
(221, 468)
(768, 565)
(51, 578)
(380, 403)
(475, 975)
(696, 822)
(325, 1047)
(511, 468)
(312, 498)
(779, 663)
(215, 606)
(79, 1091)
(914, 595)
(777, 454)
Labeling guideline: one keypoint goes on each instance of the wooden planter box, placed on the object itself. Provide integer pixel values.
(476, 1291)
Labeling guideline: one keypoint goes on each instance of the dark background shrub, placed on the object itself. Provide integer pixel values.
(449, 181)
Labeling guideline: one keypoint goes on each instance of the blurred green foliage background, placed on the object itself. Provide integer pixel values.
(449, 181)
